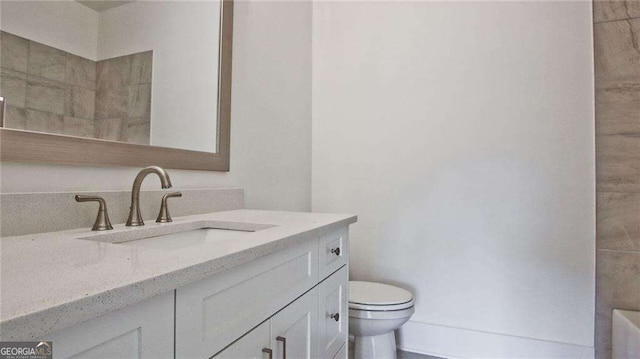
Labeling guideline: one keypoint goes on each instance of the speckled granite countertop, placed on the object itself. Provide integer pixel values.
(50, 281)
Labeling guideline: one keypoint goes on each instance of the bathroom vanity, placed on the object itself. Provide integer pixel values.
(250, 284)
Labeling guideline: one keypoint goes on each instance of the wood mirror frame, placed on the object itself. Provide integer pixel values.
(26, 146)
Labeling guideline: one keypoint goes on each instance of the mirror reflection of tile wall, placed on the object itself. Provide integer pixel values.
(53, 91)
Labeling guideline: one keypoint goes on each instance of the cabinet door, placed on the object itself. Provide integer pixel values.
(343, 353)
(214, 312)
(294, 330)
(333, 313)
(250, 346)
(142, 330)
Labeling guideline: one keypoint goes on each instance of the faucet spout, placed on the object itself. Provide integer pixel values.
(135, 217)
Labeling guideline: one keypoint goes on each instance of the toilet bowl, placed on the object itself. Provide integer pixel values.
(375, 311)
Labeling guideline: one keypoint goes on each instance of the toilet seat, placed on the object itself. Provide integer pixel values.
(368, 296)
(380, 314)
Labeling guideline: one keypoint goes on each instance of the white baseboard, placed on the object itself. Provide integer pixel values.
(448, 342)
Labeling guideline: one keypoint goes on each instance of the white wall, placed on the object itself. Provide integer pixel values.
(270, 125)
(66, 25)
(461, 133)
(184, 38)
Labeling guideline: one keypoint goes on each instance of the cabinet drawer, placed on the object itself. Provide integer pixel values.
(214, 312)
(332, 305)
(333, 251)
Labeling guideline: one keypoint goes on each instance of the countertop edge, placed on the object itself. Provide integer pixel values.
(38, 324)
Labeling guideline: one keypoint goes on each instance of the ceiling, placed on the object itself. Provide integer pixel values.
(103, 5)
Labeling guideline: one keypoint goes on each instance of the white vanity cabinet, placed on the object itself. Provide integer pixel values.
(214, 312)
(288, 304)
(304, 329)
(298, 294)
(142, 330)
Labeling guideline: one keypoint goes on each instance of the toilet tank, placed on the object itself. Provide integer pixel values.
(626, 334)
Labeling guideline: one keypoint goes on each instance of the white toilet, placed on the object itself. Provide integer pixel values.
(375, 311)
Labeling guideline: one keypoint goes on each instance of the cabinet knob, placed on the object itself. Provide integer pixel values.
(336, 251)
(335, 317)
(268, 351)
(284, 346)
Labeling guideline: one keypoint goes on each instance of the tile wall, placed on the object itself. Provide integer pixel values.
(617, 61)
(123, 98)
(53, 91)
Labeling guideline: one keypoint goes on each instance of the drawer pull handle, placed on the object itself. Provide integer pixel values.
(268, 351)
(336, 251)
(335, 317)
(284, 346)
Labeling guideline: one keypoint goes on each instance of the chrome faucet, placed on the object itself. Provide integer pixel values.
(135, 217)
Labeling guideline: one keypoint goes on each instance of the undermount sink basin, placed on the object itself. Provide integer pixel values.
(188, 238)
(179, 235)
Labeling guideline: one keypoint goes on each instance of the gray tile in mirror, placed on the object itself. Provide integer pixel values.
(42, 121)
(80, 72)
(14, 52)
(45, 95)
(53, 91)
(111, 129)
(46, 61)
(13, 85)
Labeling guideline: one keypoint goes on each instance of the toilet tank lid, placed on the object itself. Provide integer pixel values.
(370, 293)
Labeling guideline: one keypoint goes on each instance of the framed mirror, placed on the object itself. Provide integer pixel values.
(116, 83)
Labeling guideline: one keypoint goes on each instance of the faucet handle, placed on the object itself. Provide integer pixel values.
(164, 216)
(102, 221)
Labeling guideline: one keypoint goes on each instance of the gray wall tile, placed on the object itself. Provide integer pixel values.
(618, 163)
(59, 91)
(80, 102)
(45, 95)
(618, 106)
(141, 68)
(617, 286)
(15, 117)
(617, 69)
(14, 52)
(139, 101)
(113, 73)
(111, 103)
(46, 61)
(138, 132)
(13, 86)
(616, 48)
(41, 121)
(608, 10)
(80, 72)
(79, 127)
(618, 222)
(112, 129)
(123, 98)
